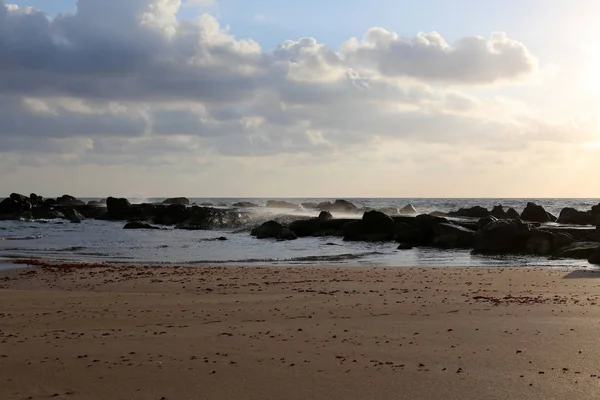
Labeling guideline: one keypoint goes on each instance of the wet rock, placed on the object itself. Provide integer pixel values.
(374, 226)
(472, 212)
(339, 206)
(117, 208)
(450, 236)
(67, 200)
(485, 221)
(511, 213)
(503, 237)
(325, 216)
(594, 258)
(536, 213)
(310, 206)
(73, 215)
(498, 212)
(273, 229)
(405, 246)
(139, 225)
(572, 216)
(577, 250)
(540, 244)
(47, 213)
(184, 201)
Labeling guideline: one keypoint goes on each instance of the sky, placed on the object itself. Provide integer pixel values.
(245, 98)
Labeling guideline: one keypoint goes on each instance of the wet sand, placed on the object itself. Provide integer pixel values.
(101, 332)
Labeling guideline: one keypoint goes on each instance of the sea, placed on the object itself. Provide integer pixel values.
(106, 241)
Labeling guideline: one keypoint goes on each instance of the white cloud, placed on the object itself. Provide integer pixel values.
(126, 83)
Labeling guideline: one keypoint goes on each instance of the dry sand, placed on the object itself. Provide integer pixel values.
(299, 333)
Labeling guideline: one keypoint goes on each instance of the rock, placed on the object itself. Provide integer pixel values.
(407, 210)
(182, 201)
(325, 216)
(117, 208)
(405, 246)
(270, 229)
(339, 206)
(536, 213)
(577, 250)
(139, 225)
(73, 215)
(245, 204)
(286, 234)
(310, 206)
(498, 212)
(9, 207)
(36, 201)
(540, 244)
(503, 237)
(374, 226)
(511, 213)
(47, 213)
(26, 216)
(280, 204)
(485, 221)
(447, 235)
(438, 214)
(172, 214)
(473, 212)
(67, 200)
(377, 222)
(572, 216)
(594, 258)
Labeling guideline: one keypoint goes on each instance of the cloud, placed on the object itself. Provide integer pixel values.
(127, 83)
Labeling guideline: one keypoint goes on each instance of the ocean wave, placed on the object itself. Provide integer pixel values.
(27, 237)
(304, 259)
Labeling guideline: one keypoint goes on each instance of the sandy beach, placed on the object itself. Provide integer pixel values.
(131, 332)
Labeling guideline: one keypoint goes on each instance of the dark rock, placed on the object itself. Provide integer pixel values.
(325, 216)
(575, 217)
(270, 229)
(9, 207)
(473, 212)
(577, 250)
(245, 204)
(36, 201)
(407, 210)
(511, 213)
(447, 235)
(67, 200)
(438, 214)
(73, 215)
(594, 258)
(485, 221)
(377, 222)
(182, 201)
(405, 246)
(339, 206)
(26, 216)
(374, 226)
(117, 209)
(536, 213)
(286, 234)
(280, 204)
(498, 212)
(503, 237)
(139, 225)
(46, 213)
(310, 206)
(540, 243)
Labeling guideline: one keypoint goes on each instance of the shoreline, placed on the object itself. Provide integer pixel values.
(299, 332)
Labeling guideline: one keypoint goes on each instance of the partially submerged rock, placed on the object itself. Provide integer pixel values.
(139, 225)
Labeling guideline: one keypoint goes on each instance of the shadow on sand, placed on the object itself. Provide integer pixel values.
(583, 273)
